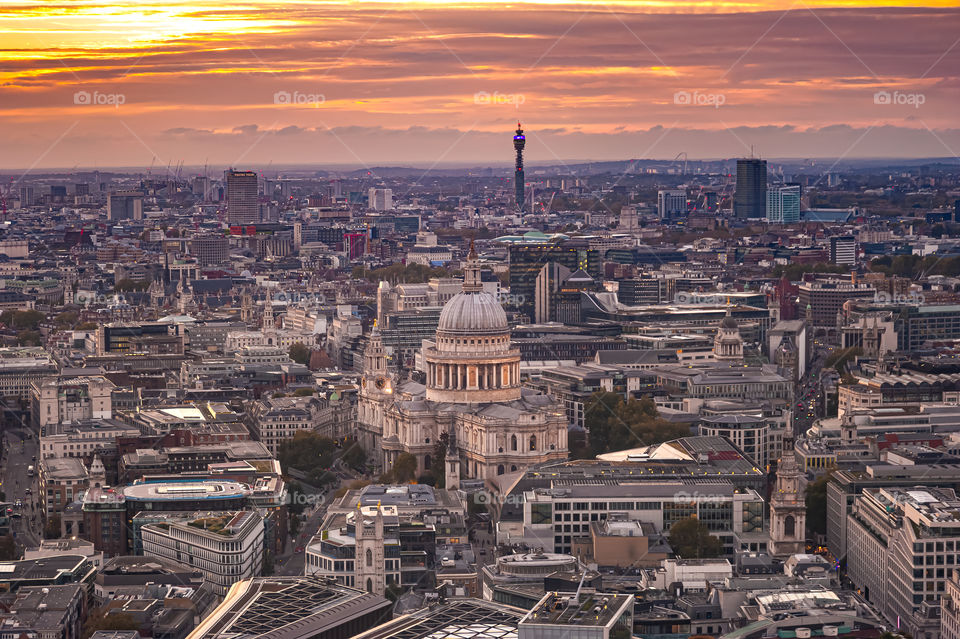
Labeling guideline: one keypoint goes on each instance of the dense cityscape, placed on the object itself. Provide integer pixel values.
(646, 398)
(437, 319)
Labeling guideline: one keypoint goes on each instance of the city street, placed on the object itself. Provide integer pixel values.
(19, 452)
(293, 562)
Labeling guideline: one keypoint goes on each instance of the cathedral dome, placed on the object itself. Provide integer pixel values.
(473, 313)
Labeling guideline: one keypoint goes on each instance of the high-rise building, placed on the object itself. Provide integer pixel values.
(671, 204)
(28, 196)
(527, 259)
(519, 141)
(843, 250)
(242, 197)
(380, 199)
(210, 249)
(783, 204)
(125, 205)
(750, 198)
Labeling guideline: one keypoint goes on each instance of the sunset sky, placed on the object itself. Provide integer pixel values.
(113, 84)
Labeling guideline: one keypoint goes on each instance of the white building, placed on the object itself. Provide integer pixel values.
(380, 199)
(671, 204)
(783, 204)
(225, 546)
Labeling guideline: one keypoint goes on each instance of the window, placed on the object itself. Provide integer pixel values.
(513, 442)
(369, 561)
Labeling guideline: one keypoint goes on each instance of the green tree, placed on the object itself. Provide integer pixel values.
(297, 501)
(8, 549)
(22, 320)
(66, 319)
(614, 424)
(816, 501)
(100, 620)
(404, 468)
(29, 338)
(438, 464)
(303, 392)
(354, 456)
(299, 353)
(127, 284)
(691, 539)
(52, 529)
(310, 452)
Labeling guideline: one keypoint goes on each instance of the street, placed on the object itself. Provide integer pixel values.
(293, 563)
(19, 452)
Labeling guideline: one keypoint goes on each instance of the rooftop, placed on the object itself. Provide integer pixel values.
(591, 610)
(287, 608)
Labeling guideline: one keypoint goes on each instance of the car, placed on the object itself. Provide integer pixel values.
(299, 549)
(28, 491)
(18, 504)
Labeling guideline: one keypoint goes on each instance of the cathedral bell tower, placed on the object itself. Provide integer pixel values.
(788, 509)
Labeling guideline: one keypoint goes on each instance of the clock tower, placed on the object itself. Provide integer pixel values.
(376, 392)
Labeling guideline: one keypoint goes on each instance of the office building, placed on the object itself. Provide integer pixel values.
(825, 299)
(226, 547)
(380, 199)
(527, 259)
(58, 400)
(671, 204)
(242, 204)
(293, 608)
(902, 546)
(843, 250)
(586, 616)
(210, 249)
(125, 205)
(750, 197)
(783, 204)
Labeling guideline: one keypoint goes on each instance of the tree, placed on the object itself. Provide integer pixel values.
(29, 338)
(66, 319)
(615, 424)
(99, 619)
(126, 284)
(8, 549)
(299, 353)
(404, 469)
(438, 464)
(355, 456)
(303, 392)
(309, 452)
(22, 320)
(691, 539)
(52, 528)
(816, 500)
